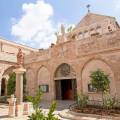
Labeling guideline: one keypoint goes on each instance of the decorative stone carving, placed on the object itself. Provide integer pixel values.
(62, 30)
(65, 70)
(90, 45)
(63, 37)
(20, 58)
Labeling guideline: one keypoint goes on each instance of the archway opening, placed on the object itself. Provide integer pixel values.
(3, 87)
(65, 82)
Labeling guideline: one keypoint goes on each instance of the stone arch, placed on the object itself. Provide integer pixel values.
(30, 81)
(8, 70)
(64, 70)
(4, 81)
(93, 65)
(97, 58)
(43, 78)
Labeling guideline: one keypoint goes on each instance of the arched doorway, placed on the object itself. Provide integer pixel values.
(3, 87)
(65, 82)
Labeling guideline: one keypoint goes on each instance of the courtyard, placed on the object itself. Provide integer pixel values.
(59, 60)
(61, 105)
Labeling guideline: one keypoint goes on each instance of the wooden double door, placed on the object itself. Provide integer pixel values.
(66, 89)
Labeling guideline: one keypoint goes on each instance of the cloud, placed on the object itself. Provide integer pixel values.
(36, 26)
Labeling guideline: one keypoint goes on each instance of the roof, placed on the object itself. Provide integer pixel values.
(91, 18)
(17, 44)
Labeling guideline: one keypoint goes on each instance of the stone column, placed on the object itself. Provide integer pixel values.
(19, 84)
(12, 106)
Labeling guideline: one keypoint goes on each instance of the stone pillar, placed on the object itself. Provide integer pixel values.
(12, 106)
(19, 84)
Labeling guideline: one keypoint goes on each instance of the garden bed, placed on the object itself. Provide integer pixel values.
(98, 110)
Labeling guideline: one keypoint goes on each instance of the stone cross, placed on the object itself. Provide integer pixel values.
(88, 7)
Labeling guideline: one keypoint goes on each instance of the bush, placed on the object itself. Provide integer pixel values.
(38, 114)
(12, 83)
(35, 100)
(109, 102)
(100, 80)
(82, 100)
(50, 115)
(3, 99)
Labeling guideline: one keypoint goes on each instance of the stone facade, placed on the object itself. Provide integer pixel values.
(8, 60)
(93, 44)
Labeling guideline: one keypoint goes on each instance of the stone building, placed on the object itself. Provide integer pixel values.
(8, 60)
(64, 68)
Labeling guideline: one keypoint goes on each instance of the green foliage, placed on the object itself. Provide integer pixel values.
(11, 84)
(109, 101)
(35, 100)
(38, 114)
(24, 82)
(100, 80)
(50, 115)
(70, 28)
(82, 100)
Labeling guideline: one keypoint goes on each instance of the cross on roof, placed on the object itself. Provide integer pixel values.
(88, 7)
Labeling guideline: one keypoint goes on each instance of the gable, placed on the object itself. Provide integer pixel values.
(91, 18)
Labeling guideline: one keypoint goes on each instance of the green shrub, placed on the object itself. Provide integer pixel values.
(100, 80)
(50, 115)
(82, 100)
(3, 99)
(12, 83)
(38, 114)
(109, 101)
(35, 100)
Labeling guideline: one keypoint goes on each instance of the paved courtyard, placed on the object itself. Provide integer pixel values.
(61, 105)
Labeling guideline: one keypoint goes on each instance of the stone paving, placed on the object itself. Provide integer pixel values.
(61, 105)
(4, 114)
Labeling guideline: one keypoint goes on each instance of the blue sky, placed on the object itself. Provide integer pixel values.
(33, 22)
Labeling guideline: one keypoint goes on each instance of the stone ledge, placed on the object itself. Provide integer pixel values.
(81, 116)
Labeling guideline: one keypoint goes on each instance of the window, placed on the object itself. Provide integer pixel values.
(44, 88)
(80, 35)
(99, 29)
(91, 88)
(86, 34)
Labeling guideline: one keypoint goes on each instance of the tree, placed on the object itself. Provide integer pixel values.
(100, 80)
(12, 83)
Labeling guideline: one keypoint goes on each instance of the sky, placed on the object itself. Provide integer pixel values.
(34, 22)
